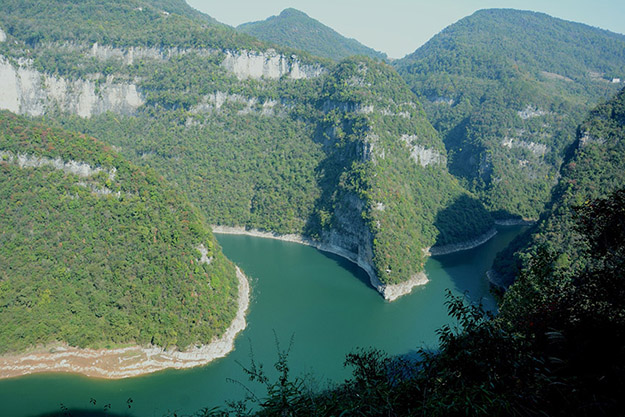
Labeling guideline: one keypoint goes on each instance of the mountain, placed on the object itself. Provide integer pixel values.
(98, 252)
(594, 169)
(295, 29)
(556, 345)
(258, 137)
(506, 89)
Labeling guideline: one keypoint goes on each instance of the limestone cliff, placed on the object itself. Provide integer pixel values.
(24, 90)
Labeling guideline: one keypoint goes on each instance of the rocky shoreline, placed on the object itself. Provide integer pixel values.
(130, 361)
(389, 292)
(466, 245)
(515, 222)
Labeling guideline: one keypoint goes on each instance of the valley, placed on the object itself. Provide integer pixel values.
(135, 131)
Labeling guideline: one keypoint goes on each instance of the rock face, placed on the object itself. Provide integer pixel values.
(422, 155)
(24, 90)
(132, 54)
(3, 36)
(268, 64)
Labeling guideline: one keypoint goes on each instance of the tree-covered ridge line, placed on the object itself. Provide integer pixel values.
(594, 168)
(31, 25)
(310, 158)
(506, 89)
(294, 29)
(95, 270)
(405, 206)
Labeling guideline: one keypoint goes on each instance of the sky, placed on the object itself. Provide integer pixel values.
(398, 27)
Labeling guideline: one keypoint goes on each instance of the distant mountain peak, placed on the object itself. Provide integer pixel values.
(295, 29)
(288, 12)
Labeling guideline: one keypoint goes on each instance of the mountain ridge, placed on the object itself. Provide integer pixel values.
(505, 89)
(294, 28)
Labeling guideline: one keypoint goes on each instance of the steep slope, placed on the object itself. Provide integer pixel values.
(505, 89)
(595, 168)
(295, 29)
(258, 138)
(96, 252)
(386, 168)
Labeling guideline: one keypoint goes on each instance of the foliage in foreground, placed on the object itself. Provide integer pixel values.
(561, 355)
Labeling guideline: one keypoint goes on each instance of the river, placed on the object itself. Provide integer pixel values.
(319, 301)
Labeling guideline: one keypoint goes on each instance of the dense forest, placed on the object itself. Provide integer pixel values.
(295, 29)
(506, 89)
(556, 348)
(96, 252)
(103, 240)
(593, 170)
(344, 155)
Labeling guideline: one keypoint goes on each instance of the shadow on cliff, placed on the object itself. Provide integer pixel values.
(463, 220)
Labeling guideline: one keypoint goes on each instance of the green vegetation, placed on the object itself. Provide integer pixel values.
(371, 125)
(506, 89)
(593, 170)
(158, 23)
(346, 157)
(295, 29)
(555, 350)
(102, 259)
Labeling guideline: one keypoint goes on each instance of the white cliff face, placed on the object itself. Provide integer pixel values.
(81, 169)
(132, 54)
(24, 90)
(422, 155)
(538, 149)
(3, 36)
(269, 64)
(530, 112)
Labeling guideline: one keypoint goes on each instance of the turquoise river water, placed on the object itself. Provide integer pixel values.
(320, 301)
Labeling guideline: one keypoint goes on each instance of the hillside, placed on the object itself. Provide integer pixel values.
(295, 29)
(506, 89)
(97, 252)
(594, 169)
(556, 346)
(257, 137)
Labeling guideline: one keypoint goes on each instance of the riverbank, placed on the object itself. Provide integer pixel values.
(389, 292)
(130, 361)
(466, 245)
(515, 222)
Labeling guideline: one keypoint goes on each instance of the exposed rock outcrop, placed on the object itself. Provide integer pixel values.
(23, 90)
(422, 155)
(538, 149)
(268, 64)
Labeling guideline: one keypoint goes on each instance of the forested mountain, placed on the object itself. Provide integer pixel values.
(97, 252)
(557, 345)
(506, 89)
(257, 137)
(295, 29)
(594, 169)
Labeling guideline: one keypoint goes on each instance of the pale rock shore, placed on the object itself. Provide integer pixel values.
(389, 292)
(130, 361)
(515, 222)
(466, 245)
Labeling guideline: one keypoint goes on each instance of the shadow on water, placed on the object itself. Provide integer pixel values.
(350, 266)
(83, 413)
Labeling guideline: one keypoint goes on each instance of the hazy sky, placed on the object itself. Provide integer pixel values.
(398, 27)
